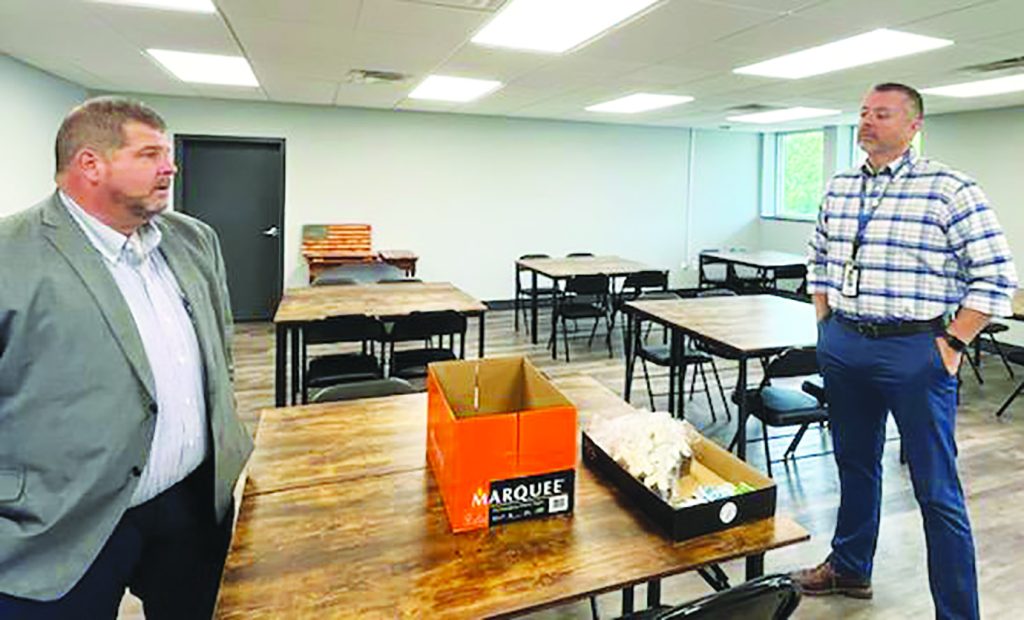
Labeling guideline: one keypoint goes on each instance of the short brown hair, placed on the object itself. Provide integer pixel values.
(99, 123)
(916, 103)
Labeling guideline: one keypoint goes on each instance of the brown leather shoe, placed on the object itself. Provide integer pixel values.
(823, 580)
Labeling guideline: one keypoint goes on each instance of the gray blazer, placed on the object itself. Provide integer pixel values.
(76, 391)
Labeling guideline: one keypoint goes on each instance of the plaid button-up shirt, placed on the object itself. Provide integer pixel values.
(932, 244)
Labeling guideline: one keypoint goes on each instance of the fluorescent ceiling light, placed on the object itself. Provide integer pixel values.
(555, 26)
(447, 88)
(639, 102)
(981, 88)
(206, 68)
(782, 116)
(194, 6)
(862, 49)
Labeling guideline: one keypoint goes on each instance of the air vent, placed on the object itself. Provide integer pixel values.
(998, 65)
(370, 76)
(751, 108)
(472, 5)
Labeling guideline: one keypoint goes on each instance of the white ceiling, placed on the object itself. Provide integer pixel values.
(302, 50)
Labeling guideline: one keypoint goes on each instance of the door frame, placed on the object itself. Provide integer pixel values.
(179, 149)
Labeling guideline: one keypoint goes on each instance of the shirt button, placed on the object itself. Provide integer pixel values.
(136, 471)
(153, 408)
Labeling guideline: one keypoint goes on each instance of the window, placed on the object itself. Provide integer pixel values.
(793, 175)
(795, 166)
(801, 173)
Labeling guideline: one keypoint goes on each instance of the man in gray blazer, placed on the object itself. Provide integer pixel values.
(119, 442)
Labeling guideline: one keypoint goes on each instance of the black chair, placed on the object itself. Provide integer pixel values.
(374, 388)
(781, 406)
(326, 370)
(1017, 357)
(791, 272)
(424, 327)
(712, 273)
(661, 355)
(584, 297)
(336, 278)
(991, 330)
(525, 293)
(772, 597)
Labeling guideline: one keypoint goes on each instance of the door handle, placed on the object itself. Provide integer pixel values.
(271, 232)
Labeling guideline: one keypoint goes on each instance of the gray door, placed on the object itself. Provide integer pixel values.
(236, 185)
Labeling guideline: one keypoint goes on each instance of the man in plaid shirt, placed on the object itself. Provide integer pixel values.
(907, 265)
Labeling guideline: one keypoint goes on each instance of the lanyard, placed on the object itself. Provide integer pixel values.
(864, 216)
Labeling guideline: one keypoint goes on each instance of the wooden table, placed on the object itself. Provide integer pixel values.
(402, 259)
(569, 267)
(744, 326)
(341, 518)
(763, 260)
(301, 306)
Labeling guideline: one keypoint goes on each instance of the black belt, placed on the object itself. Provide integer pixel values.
(898, 328)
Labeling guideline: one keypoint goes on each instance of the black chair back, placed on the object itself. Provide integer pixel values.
(423, 325)
(642, 280)
(772, 597)
(587, 285)
(797, 362)
(328, 279)
(343, 329)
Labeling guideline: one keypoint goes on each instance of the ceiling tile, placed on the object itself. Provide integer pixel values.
(864, 15)
(298, 90)
(975, 22)
(672, 28)
(400, 17)
(340, 14)
(146, 28)
(371, 95)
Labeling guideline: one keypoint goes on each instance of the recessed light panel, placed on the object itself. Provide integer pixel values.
(193, 6)
(555, 26)
(639, 102)
(981, 88)
(783, 116)
(862, 49)
(447, 88)
(206, 68)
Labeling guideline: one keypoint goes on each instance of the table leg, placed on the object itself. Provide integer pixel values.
(296, 342)
(653, 593)
(628, 346)
(627, 600)
(741, 407)
(674, 355)
(755, 566)
(280, 365)
(533, 306)
(480, 344)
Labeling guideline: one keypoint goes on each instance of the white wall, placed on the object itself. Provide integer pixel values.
(725, 210)
(31, 109)
(467, 193)
(989, 146)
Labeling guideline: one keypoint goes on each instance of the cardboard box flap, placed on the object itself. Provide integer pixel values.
(499, 384)
(457, 381)
(727, 466)
(538, 391)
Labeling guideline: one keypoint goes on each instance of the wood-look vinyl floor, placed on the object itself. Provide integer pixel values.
(991, 459)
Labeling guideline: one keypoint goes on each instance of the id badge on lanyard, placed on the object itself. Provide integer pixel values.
(851, 270)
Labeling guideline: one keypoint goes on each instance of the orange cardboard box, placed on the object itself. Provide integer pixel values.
(501, 441)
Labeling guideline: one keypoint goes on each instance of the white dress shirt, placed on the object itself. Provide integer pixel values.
(161, 316)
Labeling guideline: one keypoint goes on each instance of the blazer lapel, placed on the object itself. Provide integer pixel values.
(65, 235)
